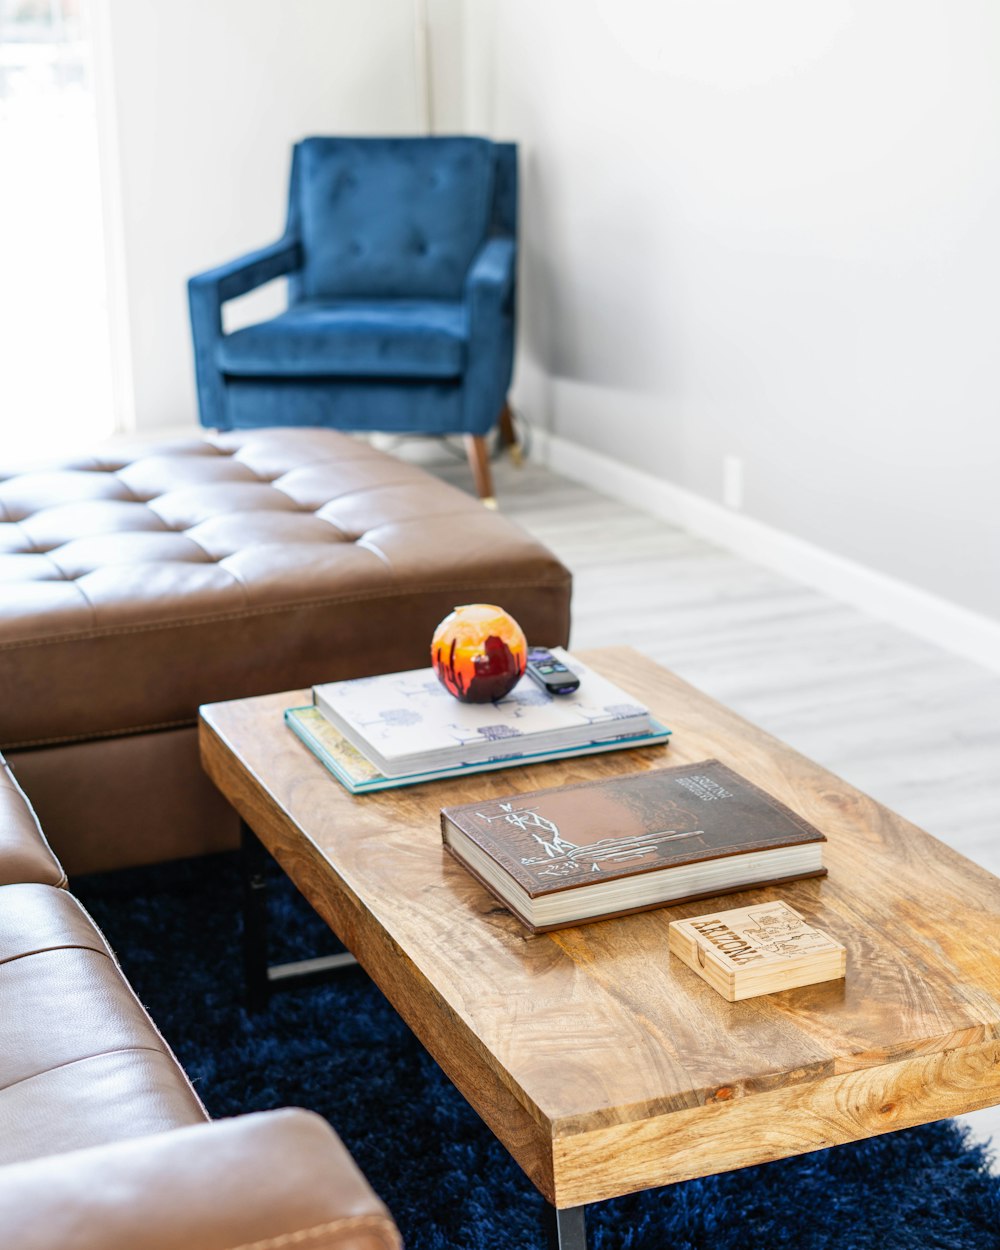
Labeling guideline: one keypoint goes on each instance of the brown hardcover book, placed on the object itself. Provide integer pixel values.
(604, 848)
(750, 951)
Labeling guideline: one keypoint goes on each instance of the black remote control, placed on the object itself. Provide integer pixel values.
(551, 674)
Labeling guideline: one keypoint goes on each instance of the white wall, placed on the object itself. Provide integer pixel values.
(768, 230)
(447, 69)
(208, 100)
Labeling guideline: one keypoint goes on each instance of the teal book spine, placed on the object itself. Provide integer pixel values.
(360, 776)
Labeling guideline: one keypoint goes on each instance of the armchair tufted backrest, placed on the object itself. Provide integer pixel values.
(382, 218)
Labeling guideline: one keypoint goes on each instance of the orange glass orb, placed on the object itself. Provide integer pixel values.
(479, 653)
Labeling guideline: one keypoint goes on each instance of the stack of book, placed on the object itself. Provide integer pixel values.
(402, 728)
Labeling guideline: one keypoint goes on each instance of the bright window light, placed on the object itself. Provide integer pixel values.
(55, 358)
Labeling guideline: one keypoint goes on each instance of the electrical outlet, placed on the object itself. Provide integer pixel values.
(732, 482)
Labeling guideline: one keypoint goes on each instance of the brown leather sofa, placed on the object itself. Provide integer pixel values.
(104, 1144)
(140, 583)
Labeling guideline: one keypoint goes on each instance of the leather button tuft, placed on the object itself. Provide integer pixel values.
(219, 555)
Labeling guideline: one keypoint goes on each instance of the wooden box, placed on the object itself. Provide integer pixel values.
(756, 950)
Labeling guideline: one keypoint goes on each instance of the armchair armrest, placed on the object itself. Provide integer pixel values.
(489, 296)
(252, 1183)
(492, 271)
(208, 291)
(250, 271)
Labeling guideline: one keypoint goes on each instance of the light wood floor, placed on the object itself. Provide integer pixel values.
(907, 722)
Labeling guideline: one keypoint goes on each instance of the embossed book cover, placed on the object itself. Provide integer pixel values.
(590, 851)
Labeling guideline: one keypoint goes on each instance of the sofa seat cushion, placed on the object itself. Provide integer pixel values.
(382, 339)
(25, 854)
(81, 1064)
(37, 918)
(92, 1102)
(145, 581)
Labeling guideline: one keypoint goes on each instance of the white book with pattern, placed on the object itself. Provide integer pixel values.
(407, 722)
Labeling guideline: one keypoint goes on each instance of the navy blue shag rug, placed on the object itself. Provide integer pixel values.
(341, 1050)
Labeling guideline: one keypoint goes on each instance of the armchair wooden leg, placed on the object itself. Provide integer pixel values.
(508, 435)
(479, 461)
(506, 423)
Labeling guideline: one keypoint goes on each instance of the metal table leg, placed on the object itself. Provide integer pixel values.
(567, 1228)
(259, 976)
(253, 859)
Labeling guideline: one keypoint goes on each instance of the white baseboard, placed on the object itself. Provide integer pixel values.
(956, 629)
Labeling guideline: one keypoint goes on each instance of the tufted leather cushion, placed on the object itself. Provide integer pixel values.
(138, 584)
(80, 1061)
(391, 217)
(390, 338)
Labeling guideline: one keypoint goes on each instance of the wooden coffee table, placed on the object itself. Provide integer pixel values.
(604, 1065)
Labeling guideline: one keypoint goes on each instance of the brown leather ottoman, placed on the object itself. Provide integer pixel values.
(140, 583)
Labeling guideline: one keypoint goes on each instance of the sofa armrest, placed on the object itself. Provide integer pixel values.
(258, 1182)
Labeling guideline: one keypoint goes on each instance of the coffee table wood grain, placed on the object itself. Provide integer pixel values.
(603, 1064)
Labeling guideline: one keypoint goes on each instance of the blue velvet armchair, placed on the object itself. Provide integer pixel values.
(401, 257)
